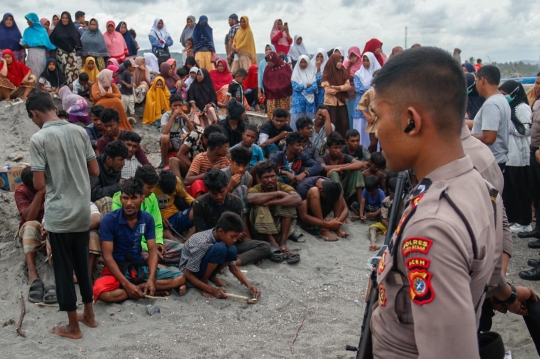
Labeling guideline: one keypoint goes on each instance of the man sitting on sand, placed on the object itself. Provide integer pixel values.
(273, 131)
(342, 168)
(110, 165)
(273, 208)
(96, 129)
(320, 196)
(208, 208)
(248, 142)
(218, 147)
(206, 253)
(304, 125)
(125, 275)
(111, 121)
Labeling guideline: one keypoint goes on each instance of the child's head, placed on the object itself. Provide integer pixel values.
(181, 72)
(91, 65)
(193, 72)
(176, 102)
(392, 183)
(250, 135)
(189, 43)
(303, 63)
(330, 190)
(83, 79)
(229, 227)
(240, 158)
(167, 182)
(216, 183)
(377, 162)
(352, 139)
(372, 184)
(240, 75)
(51, 65)
(132, 141)
(147, 174)
(130, 66)
(132, 33)
(282, 56)
(63, 115)
(334, 143)
(131, 196)
(365, 62)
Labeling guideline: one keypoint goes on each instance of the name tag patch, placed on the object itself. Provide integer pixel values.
(142, 228)
(416, 244)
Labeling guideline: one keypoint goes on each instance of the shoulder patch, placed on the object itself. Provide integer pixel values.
(382, 264)
(417, 263)
(382, 295)
(421, 291)
(416, 244)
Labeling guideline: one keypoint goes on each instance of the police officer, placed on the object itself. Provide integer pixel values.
(448, 243)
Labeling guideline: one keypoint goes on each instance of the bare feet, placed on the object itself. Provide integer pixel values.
(374, 247)
(161, 293)
(328, 235)
(219, 283)
(206, 294)
(342, 233)
(64, 331)
(182, 290)
(89, 322)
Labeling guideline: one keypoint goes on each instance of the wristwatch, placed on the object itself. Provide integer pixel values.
(512, 297)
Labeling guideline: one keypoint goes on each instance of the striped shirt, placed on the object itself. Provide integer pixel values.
(201, 164)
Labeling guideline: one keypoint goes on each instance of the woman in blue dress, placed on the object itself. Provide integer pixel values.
(304, 86)
(362, 83)
(318, 61)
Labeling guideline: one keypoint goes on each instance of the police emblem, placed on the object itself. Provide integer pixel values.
(420, 287)
(382, 295)
(382, 264)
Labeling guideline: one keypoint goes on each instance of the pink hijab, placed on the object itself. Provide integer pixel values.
(115, 41)
(45, 20)
(356, 66)
(114, 69)
(283, 40)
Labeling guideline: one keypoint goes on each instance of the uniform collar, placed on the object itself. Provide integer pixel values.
(451, 170)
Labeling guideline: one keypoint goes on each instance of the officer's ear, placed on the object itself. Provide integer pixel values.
(412, 124)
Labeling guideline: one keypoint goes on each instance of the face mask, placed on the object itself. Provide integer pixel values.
(469, 92)
(508, 98)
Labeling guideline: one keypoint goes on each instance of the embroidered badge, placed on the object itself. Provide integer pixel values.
(417, 263)
(142, 228)
(416, 244)
(422, 187)
(414, 203)
(382, 264)
(382, 295)
(420, 287)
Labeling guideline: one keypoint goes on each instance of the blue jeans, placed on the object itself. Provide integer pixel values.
(218, 254)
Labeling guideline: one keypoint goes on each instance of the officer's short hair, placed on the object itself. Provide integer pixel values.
(431, 77)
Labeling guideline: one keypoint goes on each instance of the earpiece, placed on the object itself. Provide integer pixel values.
(409, 127)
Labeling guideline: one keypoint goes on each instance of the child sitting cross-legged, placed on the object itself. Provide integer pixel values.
(381, 227)
(372, 198)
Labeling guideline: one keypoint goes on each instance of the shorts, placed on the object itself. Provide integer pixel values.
(381, 228)
(180, 221)
(107, 282)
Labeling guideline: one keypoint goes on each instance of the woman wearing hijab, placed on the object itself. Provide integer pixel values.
(93, 44)
(106, 93)
(203, 44)
(277, 84)
(297, 49)
(244, 46)
(475, 102)
(335, 81)
(16, 79)
(468, 68)
(203, 100)
(262, 65)
(187, 33)
(304, 84)
(67, 41)
(160, 39)
(280, 37)
(46, 23)
(91, 69)
(375, 46)
(353, 64)
(141, 79)
(51, 78)
(362, 82)
(318, 61)
(396, 50)
(251, 87)
(36, 40)
(123, 30)
(10, 37)
(75, 105)
(172, 81)
(151, 63)
(157, 102)
(116, 45)
(221, 79)
(516, 197)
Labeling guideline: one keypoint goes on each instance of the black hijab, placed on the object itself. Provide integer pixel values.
(66, 37)
(190, 60)
(56, 78)
(202, 92)
(475, 101)
(519, 96)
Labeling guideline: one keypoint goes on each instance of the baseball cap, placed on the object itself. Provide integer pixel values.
(233, 16)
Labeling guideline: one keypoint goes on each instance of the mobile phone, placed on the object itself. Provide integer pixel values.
(286, 24)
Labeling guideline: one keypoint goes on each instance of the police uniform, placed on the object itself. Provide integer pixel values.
(433, 277)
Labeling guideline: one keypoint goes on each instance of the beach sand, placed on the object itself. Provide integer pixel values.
(326, 288)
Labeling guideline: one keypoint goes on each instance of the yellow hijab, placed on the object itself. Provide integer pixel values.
(92, 74)
(157, 100)
(244, 40)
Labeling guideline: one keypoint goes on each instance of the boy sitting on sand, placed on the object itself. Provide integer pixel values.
(206, 253)
(381, 227)
(377, 164)
(372, 198)
(125, 275)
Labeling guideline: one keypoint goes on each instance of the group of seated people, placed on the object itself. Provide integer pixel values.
(230, 197)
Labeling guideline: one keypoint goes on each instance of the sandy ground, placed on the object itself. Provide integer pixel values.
(326, 288)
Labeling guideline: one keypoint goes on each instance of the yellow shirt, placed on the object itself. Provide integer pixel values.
(166, 201)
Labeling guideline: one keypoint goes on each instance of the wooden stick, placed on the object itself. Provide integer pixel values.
(298, 330)
(23, 313)
(241, 297)
(156, 298)
(8, 322)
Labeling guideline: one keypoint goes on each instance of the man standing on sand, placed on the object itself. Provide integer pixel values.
(62, 162)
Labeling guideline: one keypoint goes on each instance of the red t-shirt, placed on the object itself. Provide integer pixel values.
(23, 198)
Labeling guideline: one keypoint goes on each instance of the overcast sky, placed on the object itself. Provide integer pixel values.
(503, 30)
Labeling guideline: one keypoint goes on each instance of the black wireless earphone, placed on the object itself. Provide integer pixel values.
(409, 127)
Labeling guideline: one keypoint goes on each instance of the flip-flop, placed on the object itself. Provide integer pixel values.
(278, 256)
(50, 295)
(293, 258)
(35, 295)
(296, 236)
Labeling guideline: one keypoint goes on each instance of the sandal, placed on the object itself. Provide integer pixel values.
(296, 236)
(293, 258)
(278, 256)
(50, 295)
(35, 295)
